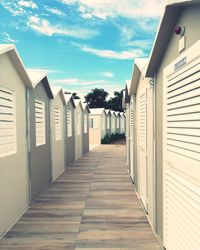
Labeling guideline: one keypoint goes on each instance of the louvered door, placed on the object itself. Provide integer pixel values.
(132, 135)
(181, 148)
(142, 149)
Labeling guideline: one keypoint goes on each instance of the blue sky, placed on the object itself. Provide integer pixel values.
(81, 44)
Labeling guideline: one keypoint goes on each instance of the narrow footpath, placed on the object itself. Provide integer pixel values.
(92, 205)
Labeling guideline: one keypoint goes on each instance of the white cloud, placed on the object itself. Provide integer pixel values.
(12, 7)
(55, 11)
(111, 54)
(43, 71)
(6, 38)
(34, 19)
(107, 74)
(76, 81)
(127, 8)
(85, 89)
(27, 4)
(44, 27)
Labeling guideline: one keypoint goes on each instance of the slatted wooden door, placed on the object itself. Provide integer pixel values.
(132, 136)
(142, 149)
(181, 149)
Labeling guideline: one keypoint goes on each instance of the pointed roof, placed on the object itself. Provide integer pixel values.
(78, 102)
(112, 112)
(69, 98)
(85, 106)
(171, 14)
(58, 91)
(126, 95)
(140, 67)
(13, 54)
(107, 111)
(37, 77)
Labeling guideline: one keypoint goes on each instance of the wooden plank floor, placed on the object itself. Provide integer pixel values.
(92, 205)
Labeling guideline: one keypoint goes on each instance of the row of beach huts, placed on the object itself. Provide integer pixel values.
(43, 129)
(162, 102)
(104, 122)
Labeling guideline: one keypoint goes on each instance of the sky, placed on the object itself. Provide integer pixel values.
(81, 44)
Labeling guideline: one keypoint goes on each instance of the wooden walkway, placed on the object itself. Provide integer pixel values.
(91, 206)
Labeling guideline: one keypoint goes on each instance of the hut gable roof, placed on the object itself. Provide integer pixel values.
(113, 112)
(107, 111)
(58, 91)
(38, 77)
(78, 102)
(171, 14)
(14, 56)
(85, 106)
(140, 67)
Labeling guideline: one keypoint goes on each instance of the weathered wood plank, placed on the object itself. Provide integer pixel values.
(92, 205)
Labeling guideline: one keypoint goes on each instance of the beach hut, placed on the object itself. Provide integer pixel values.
(97, 126)
(39, 98)
(57, 132)
(85, 129)
(78, 128)
(113, 122)
(70, 129)
(14, 189)
(108, 121)
(174, 65)
(142, 153)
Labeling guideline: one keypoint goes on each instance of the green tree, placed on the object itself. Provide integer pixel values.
(115, 103)
(96, 98)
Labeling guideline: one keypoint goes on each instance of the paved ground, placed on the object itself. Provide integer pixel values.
(91, 206)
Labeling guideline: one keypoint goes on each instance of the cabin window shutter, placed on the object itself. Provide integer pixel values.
(131, 120)
(78, 124)
(40, 122)
(181, 153)
(85, 124)
(8, 135)
(69, 123)
(183, 114)
(57, 119)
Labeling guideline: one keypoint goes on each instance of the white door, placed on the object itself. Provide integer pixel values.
(142, 149)
(181, 152)
(132, 137)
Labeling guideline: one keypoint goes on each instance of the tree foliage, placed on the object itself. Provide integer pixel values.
(96, 98)
(115, 103)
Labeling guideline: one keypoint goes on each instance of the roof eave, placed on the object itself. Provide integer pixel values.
(47, 86)
(170, 17)
(14, 56)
